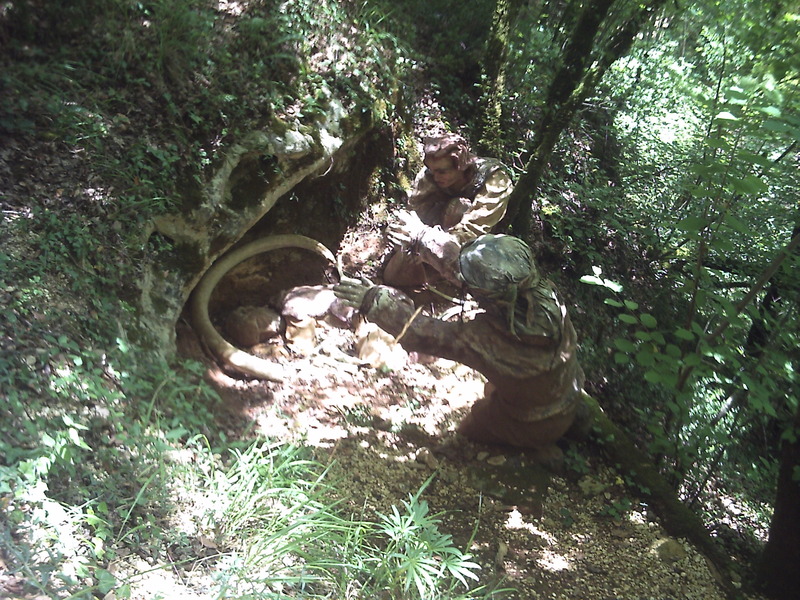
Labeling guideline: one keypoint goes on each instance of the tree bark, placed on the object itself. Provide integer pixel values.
(556, 113)
(575, 80)
(494, 76)
(778, 574)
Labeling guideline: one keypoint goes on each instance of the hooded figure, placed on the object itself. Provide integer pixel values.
(522, 340)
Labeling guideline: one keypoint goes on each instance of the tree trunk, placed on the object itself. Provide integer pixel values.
(676, 518)
(779, 570)
(494, 77)
(556, 113)
(575, 80)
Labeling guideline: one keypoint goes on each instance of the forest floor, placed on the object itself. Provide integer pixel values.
(385, 428)
(577, 532)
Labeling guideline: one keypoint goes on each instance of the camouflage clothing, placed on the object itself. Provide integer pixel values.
(501, 270)
(523, 343)
(470, 211)
(451, 216)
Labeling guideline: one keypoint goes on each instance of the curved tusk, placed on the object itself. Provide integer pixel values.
(226, 352)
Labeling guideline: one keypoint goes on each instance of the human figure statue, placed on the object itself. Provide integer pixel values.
(457, 195)
(521, 340)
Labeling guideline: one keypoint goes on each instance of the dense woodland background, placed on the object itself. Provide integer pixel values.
(655, 150)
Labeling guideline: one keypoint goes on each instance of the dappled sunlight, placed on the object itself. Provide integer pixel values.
(553, 561)
(517, 521)
(232, 7)
(744, 517)
(143, 143)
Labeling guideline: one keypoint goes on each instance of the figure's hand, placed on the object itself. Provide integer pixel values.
(351, 291)
(406, 229)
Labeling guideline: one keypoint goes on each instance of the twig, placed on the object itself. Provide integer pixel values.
(407, 325)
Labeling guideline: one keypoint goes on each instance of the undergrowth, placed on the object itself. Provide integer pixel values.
(116, 467)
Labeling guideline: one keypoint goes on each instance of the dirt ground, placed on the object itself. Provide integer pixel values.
(573, 532)
(387, 425)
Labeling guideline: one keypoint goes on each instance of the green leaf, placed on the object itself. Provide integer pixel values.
(737, 225)
(709, 170)
(594, 280)
(723, 245)
(717, 143)
(645, 336)
(70, 422)
(738, 93)
(621, 359)
(691, 224)
(624, 345)
(777, 126)
(75, 438)
(176, 433)
(591, 280)
(749, 83)
(791, 436)
(772, 111)
(648, 320)
(612, 302)
(726, 116)
(631, 305)
(755, 159)
(749, 185)
(629, 319)
(105, 580)
(653, 376)
(645, 358)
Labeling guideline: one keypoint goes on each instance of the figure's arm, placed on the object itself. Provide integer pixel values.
(487, 209)
(394, 312)
(430, 245)
(476, 343)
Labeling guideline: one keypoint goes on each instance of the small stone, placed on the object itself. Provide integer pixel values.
(496, 460)
(425, 457)
(668, 550)
(619, 532)
(595, 569)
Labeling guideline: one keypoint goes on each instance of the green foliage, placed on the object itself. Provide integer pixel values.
(268, 513)
(567, 519)
(418, 558)
(98, 437)
(704, 116)
(102, 444)
(186, 73)
(701, 380)
(96, 430)
(575, 461)
(617, 510)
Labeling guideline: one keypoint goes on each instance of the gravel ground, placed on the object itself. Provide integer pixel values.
(577, 533)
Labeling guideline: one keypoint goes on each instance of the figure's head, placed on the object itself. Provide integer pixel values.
(499, 270)
(448, 158)
(495, 267)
